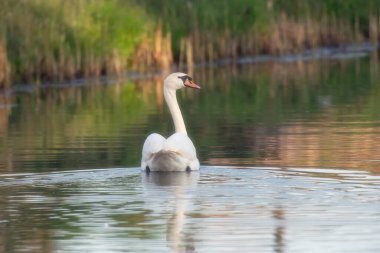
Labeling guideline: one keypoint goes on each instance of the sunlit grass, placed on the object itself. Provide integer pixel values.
(60, 40)
(57, 40)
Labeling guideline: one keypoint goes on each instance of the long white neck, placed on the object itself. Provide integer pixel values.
(171, 100)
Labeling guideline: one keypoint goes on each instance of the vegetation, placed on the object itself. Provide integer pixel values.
(60, 40)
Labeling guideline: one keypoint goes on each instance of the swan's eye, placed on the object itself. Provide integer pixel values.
(184, 78)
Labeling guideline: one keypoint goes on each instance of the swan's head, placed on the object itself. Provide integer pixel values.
(179, 80)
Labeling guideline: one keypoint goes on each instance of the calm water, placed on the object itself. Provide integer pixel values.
(290, 156)
(220, 209)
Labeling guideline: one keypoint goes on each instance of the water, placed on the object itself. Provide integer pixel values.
(289, 153)
(220, 209)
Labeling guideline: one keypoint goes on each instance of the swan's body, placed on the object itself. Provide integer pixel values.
(176, 153)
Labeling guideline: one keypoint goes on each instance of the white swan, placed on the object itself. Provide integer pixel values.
(176, 153)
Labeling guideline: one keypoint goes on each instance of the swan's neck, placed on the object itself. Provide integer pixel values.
(171, 100)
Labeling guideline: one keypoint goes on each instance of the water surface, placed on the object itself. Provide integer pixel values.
(220, 209)
(321, 113)
(289, 153)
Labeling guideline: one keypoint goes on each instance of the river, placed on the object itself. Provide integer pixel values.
(289, 152)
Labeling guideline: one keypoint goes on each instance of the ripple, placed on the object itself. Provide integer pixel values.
(219, 209)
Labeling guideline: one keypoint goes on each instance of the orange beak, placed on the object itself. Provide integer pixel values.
(191, 84)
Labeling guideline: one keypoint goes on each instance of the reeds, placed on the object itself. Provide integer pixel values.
(4, 67)
(154, 52)
(60, 40)
(65, 39)
(284, 35)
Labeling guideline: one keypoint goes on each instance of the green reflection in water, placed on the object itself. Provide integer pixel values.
(317, 113)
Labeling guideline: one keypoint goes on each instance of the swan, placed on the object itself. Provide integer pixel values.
(176, 153)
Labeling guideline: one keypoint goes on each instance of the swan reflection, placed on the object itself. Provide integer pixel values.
(177, 183)
(180, 179)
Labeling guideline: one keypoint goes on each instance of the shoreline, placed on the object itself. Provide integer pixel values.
(348, 51)
(65, 40)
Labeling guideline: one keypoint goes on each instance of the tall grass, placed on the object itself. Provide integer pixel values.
(57, 40)
(4, 67)
(60, 40)
(216, 29)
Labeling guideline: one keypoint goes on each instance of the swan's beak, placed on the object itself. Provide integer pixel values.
(191, 84)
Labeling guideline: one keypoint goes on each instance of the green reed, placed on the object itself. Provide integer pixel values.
(57, 40)
(60, 40)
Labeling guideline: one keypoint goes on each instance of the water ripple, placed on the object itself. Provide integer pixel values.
(219, 209)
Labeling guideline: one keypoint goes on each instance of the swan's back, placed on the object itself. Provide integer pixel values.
(177, 153)
(167, 160)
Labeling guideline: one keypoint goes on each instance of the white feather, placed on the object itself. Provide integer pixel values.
(177, 153)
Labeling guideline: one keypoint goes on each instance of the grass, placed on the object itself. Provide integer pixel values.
(57, 40)
(60, 40)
